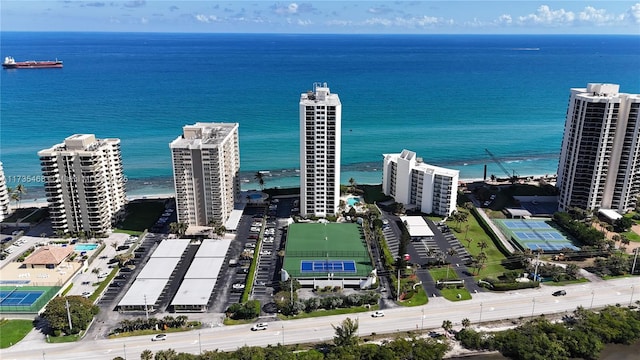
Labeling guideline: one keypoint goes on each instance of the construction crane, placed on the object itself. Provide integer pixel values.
(511, 175)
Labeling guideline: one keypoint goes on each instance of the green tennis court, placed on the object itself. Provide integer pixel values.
(329, 243)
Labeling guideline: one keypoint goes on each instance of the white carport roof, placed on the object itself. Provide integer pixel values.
(213, 248)
(194, 292)
(143, 291)
(610, 214)
(204, 268)
(158, 268)
(233, 220)
(171, 248)
(417, 226)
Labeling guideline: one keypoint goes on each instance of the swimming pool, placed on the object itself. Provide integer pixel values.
(353, 200)
(85, 247)
(255, 196)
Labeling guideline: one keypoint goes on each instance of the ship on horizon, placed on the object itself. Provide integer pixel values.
(11, 63)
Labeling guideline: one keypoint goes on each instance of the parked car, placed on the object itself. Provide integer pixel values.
(159, 337)
(378, 313)
(260, 326)
(86, 294)
(559, 293)
(122, 247)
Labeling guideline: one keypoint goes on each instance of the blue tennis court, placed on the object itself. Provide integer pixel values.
(19, 297)
(307, 266)
(544, 235)
(521, 224)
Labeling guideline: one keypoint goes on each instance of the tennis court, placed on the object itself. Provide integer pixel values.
(19, 298)
(319, 250)
(534, 234)
(307, 266)
(28, 299)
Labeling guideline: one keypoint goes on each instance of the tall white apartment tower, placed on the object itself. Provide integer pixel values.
(320, 134)
(599, 164)
(415, 184)
(206, 162)
(4, 195)
(84, 183)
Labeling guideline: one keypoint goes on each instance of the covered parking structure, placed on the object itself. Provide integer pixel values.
(144, 293)
(417, 227)
(200, 280)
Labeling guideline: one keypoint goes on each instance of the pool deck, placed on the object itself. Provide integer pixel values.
(41, 276)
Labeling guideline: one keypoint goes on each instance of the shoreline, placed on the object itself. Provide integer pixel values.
(155, 193)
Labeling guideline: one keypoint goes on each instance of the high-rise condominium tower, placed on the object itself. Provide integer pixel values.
(600, 157)
(84, 183)
(4, 195)
(320, 121)
(206, 162)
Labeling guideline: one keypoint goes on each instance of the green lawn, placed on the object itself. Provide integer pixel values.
(12, 331)
(418, 299)
(321, 312)
(493, 265)
(141, 215)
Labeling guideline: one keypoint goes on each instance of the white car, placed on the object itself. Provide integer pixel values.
(260, 326)
(378, 313)
(238, 286)
(265, 252)
(159, 337)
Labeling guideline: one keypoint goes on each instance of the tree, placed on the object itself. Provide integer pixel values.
(20, 190)
(146, 355)
(352, 185)
(466, 323)
(450, 252)
(81, 310)
(346, 333)
(480, 260)
(622, 224)
(447, 325)
(259, 176)
(179, 228)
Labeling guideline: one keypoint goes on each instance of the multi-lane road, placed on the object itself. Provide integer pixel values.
(482, 308)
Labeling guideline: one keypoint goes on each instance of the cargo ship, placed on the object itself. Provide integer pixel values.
(10, 63)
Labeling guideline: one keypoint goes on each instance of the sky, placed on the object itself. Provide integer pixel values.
(325, 17)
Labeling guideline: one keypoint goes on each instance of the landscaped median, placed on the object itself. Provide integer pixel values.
(452, 291)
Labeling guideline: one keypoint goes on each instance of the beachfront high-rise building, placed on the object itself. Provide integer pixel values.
(4, 195)
(599, 164)
(206, 162)
(411, 182)
(320, 136)
(84, 183)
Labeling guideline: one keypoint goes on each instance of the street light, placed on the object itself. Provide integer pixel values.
(199, 343)
(124, 346)
(282, 334)
(631, 300)
(480, 320)
(534, 307)
(422, 324)
(592, 295)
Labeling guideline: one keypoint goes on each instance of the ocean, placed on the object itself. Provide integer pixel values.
(449, 98)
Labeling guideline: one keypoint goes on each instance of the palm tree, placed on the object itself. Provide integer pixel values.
(466, 323)
(447, 325)
(20, 190)
(352, 183)
(480, 260)
(259, 176)
(178, 228)
(346, 333)
(482, 245)
(146, 355)
(450, 252)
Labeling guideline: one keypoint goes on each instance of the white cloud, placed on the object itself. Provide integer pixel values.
(410, 22)
(545, 16)
(206, 18)
(280, 9)
(144, 20)
(633, 14)
(305, 22)
(505, 20)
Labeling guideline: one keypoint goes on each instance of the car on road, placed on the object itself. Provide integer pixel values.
(378, 313)
(159, 337)
(259, 326)
(86, 294)
(559, 293)
(265, 252)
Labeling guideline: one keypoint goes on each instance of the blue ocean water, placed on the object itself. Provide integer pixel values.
(446, 97)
